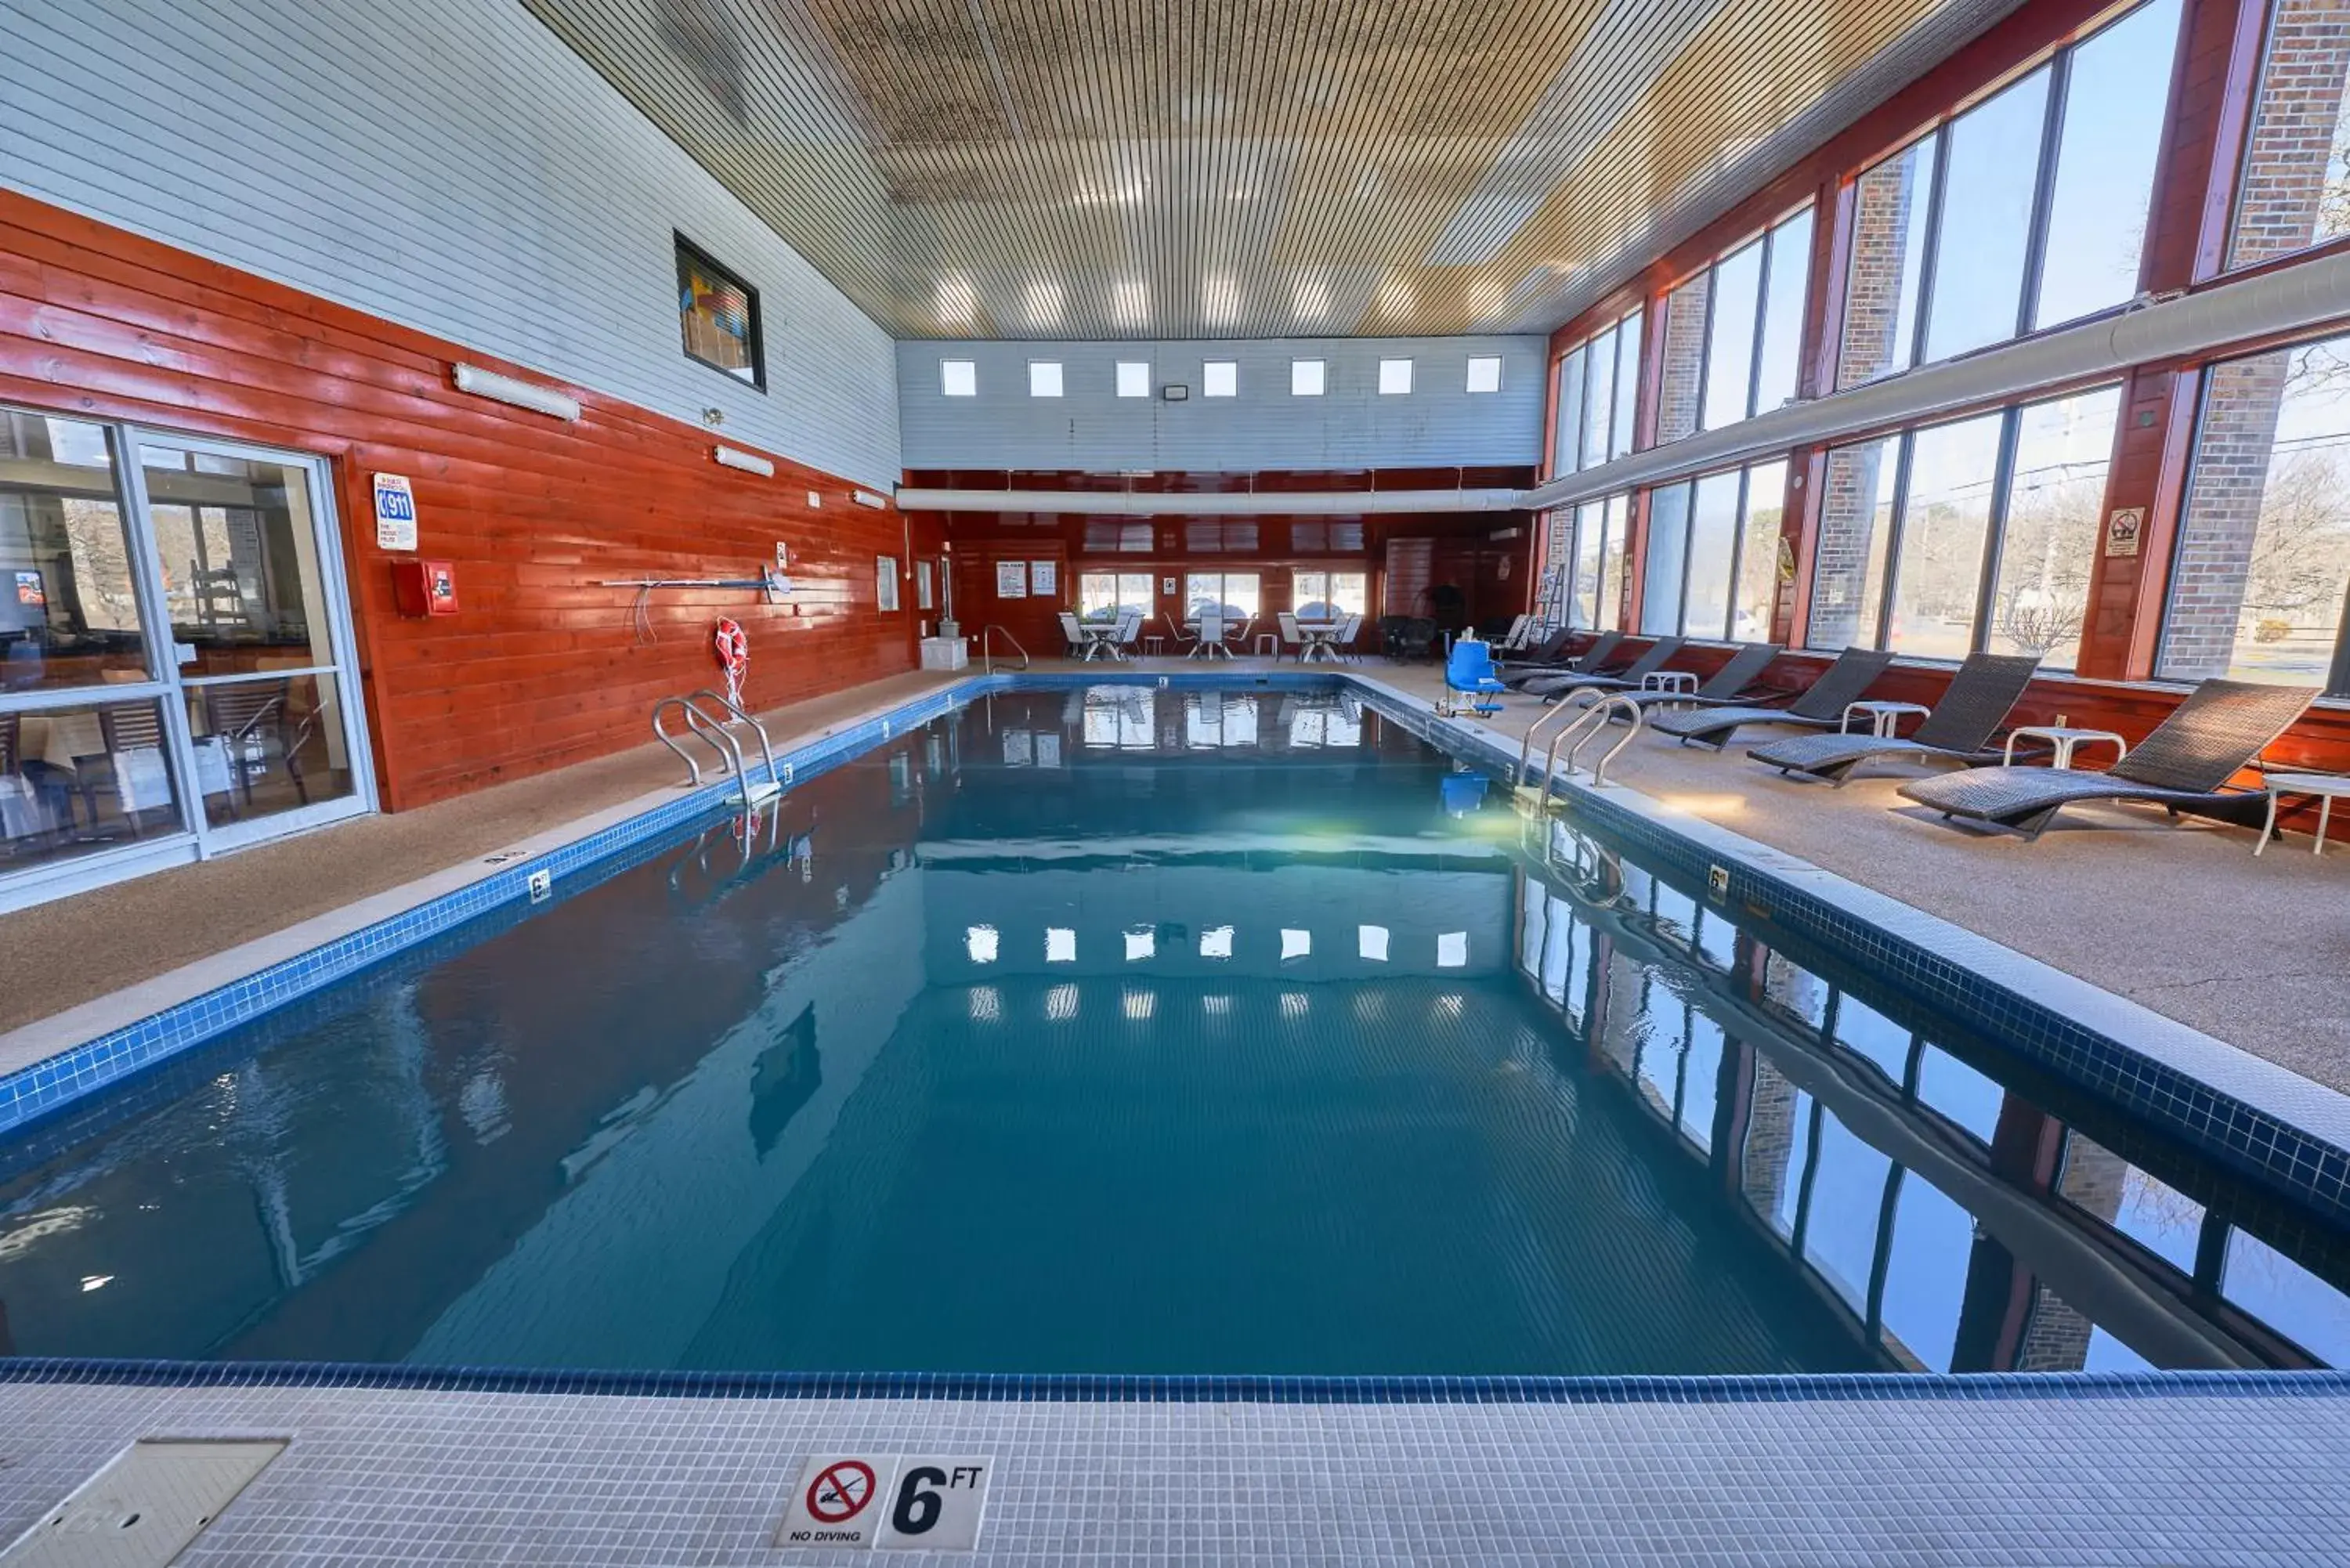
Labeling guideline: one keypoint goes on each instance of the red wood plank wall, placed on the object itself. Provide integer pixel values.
(539, 668)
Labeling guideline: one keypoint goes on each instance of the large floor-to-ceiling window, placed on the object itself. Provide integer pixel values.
(176, 673)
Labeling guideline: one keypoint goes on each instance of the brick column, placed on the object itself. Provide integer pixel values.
(1841, 549)
(1887, 202)
(1677, 384)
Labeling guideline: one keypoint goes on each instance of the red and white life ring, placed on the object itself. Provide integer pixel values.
(733, 650)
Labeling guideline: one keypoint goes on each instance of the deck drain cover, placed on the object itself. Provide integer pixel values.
(144, 1507)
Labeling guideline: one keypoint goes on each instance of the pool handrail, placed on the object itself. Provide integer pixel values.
(987, 659)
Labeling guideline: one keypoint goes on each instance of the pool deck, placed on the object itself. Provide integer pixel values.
(2180, 920)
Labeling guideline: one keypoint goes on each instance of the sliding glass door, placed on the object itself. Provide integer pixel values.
(176, 673)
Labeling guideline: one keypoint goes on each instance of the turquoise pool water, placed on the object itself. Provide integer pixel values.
(1128, 1029)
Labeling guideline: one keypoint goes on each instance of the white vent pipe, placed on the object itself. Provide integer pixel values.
(2311, 294)
(1254, 503)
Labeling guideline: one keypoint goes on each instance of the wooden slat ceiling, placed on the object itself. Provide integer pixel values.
(1247, 168)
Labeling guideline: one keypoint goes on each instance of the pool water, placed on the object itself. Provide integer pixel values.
(1134, 1029)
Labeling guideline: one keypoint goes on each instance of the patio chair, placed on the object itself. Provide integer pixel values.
(1819, 706)
(1072, 633)
(1592, 660)
(1728, 684)
(1469, 672)
(1292, 641)
(1547, 654)
(250, 718)
(1210, 642)
(1129, 632)
(1515, 639)
(1555, 688)
(1177, 636)
(1959, 730)
(1343, 645)
(2183, 765)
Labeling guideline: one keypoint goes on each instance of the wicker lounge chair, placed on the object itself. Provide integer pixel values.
(2183, 765)
(1957, 731)
(1727, 684)
(1552, 688)
(1549, 653)
(1819, 706)
(1602, 649)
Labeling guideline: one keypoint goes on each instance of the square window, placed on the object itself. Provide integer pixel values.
(1220, 378)
(1371, 942)
(1484, 373)
(959, 377)
(718, 314)
(1305, 378)
(1395, 378)
(1044, 378)
(1134, 377)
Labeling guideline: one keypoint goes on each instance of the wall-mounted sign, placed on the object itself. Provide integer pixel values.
(1043, 579)
(2124, 528)
(1012, 580)
(395, 513)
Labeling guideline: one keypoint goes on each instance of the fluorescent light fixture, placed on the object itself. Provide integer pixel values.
(959, 377)
(1220, 378)
(1044, 378)
(1395, 378)
(1484, 373)
(1305, 378)
(749, 462)
(521, 394)
(1134, 377)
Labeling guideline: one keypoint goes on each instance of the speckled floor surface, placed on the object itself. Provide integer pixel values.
(2239, 1475)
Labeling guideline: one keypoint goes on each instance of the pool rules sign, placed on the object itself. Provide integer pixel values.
(887, 1501)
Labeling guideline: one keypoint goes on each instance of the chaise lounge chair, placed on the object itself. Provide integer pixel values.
(1727, 684)
(1957, 731)
(1549, 653)
(2183, 765)
(1819, 706)
(1588, 661)
(1552, 688)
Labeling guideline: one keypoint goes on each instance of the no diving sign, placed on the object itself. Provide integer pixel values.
(887, 1501)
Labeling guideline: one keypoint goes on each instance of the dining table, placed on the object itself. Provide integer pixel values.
(1321, 640)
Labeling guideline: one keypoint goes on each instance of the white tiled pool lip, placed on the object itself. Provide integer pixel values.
(2282, 1129)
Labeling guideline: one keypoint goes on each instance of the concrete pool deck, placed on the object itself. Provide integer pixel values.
(2240, 1470)
(2155, 913)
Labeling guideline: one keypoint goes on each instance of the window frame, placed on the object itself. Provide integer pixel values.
(1208, 369)
(1041, 371)
(1118, 378)
(2227, 267)
(1470, 383)
(946, 381)
(684, 249)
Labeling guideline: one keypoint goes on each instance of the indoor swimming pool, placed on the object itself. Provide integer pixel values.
(1127, 1027)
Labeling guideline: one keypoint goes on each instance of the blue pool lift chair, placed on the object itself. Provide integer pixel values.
(1469, 672)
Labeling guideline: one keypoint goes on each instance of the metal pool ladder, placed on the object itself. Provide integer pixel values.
(987, 659)
(718, 735)
(1582, 723)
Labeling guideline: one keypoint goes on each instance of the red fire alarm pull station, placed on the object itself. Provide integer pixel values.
(424, 587)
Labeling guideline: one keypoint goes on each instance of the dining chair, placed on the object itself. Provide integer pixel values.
(1130, 627)
(250, 720)
(1344, 643)
(1072, 633)
(1292, 639)
(1176, 633)
(1212, 636)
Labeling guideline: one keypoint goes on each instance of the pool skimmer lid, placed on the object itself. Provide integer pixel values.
(145, 1506)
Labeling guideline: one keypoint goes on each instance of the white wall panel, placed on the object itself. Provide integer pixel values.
(449, 165)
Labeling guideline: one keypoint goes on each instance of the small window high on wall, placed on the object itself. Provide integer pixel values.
(2263, 568)
(1915, 528)
(718, 314)
(2027, 210)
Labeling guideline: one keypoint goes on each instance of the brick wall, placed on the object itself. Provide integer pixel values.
(1679, 382)
(1886, 202)
(2223, 514)
(2292, 193)
(1843, 602)
(2058, 1337)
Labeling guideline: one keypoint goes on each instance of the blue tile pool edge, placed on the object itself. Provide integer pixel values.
(1799, 897)
(1112, 1388)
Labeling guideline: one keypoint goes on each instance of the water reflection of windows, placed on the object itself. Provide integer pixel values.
(1843, 1208)
(1119, 717)
(1371, 943)
(1216, 942)
(1322, 724)
(2149, 1211)
(1925, 1285)
(2287, 1297)
(1700, 1080)
(1675, 915)
(1717, 942)
(1779, 1118)
(1211, 720)
(1867, 1033)
(980, 943)
(1949, 1085)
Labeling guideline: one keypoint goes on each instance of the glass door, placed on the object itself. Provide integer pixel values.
(176, 674)
(260, 655)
